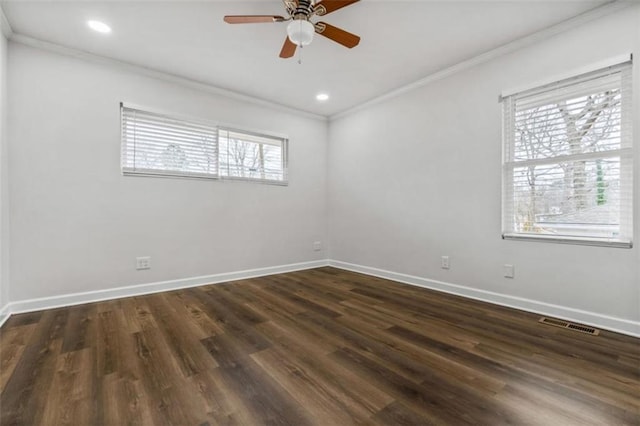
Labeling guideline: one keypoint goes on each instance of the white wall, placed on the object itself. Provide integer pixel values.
(4, 187)
(419, 176)
(77, 224)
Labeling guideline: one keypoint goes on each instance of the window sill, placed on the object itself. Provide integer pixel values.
(178, 175)
(602, 242)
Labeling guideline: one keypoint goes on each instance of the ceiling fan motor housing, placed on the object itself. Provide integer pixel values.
(304, 8)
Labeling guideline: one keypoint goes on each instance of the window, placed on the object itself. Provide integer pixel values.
(567, 166)
(251, 156)
(156, 144)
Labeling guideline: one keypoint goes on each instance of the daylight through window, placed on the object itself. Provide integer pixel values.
(156, 144)
(568, 160)
(245, 155)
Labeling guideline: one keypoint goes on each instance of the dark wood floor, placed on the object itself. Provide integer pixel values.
(323, 347)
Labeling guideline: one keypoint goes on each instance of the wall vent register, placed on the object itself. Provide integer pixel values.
(569, 325)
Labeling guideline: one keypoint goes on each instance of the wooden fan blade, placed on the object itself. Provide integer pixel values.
(338, 35)
(288, 49)
(327, 6)
(252, 19)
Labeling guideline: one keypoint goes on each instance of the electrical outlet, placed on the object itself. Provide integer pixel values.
(317, 245)
(444, 262)
(143, 263)
(508, 271)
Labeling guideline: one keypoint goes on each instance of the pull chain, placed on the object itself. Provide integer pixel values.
(300, 55)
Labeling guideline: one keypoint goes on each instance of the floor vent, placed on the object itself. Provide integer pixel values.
(571, 326)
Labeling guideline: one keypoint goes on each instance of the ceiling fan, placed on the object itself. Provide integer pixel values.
(300, 29)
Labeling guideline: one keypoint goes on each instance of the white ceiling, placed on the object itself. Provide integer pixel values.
(402, 41)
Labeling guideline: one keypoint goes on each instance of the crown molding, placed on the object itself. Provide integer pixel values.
(5, 27)
(590, 15)
(159, 75)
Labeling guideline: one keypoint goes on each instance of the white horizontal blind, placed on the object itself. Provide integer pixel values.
(245, 155)
(157, 144)
(568, 164)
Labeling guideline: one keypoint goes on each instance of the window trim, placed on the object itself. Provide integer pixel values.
(580, 241)
(507, 178)
(219, 126)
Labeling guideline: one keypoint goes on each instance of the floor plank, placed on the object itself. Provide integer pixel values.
(315, 347)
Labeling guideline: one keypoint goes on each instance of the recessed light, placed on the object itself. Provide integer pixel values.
(322, 96)
(98, 26)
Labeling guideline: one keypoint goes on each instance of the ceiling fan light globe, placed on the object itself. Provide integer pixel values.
(300, 32)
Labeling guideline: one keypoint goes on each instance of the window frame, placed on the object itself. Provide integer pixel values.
(161, 173)
(625, 153)
(284, 149)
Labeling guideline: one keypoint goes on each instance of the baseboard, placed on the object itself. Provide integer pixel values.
(606, 322)
(52, 302)
(5, 313)
(618, 325)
